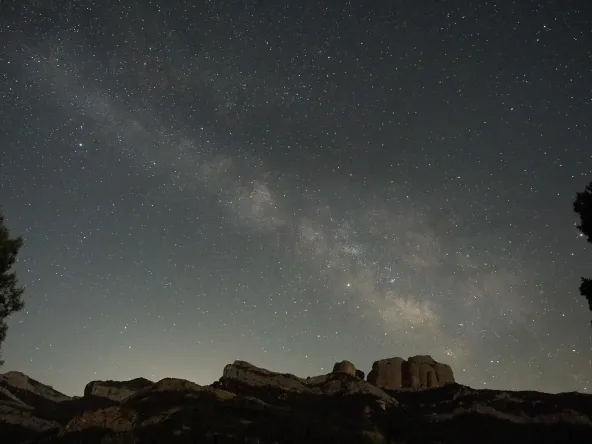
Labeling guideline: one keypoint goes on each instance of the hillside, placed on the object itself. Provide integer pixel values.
(401, 401)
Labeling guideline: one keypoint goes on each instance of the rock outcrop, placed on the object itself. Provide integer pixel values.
(28, 389)
(20, 422)
(344, 367)
(243, 376)
(348, 368)
(248, 374)
(444, 374)
(420, 371)
(115, 390)
(387, 373)
(254, 405)
(27, 407)
(110, 419)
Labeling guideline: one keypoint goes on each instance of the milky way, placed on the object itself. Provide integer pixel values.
(296, 185)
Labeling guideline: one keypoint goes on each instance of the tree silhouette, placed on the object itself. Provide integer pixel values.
(10, 291)
(583, 206)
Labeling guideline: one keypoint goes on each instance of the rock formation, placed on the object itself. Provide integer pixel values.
(27, 407)
(115, 390)
(28, 388)
(420, 371)
(254, 405)
(348, 368)
(387, 373)
(444, 374)
(345, 367)
(246, 377)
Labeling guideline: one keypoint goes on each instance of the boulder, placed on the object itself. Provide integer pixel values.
(425, 371)
(115, 390)
(410, 375)
(345, 367)
(387, 373)
(423, 358)
(444, 373)
(420, 371)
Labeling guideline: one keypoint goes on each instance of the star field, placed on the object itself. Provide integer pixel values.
(297, 183)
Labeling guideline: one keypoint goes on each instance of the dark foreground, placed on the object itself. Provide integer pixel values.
(252, 405)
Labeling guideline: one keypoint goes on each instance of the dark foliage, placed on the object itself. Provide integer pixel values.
(10, 291)
(583, 206)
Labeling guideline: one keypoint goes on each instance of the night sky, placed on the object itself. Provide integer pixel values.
(296, 183)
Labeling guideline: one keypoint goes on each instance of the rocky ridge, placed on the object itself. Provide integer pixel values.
(401, 401)
(115, 390)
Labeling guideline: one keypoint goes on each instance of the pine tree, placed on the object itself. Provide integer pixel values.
(583, 206)
(10, 291)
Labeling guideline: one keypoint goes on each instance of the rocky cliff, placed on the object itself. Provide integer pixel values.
(416, 372)
(115, 390)
(402, 401)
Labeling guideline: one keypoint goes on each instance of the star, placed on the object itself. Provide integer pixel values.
(243, 189)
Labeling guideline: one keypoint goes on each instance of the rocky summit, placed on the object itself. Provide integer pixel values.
(401, 401)
(416, 372)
